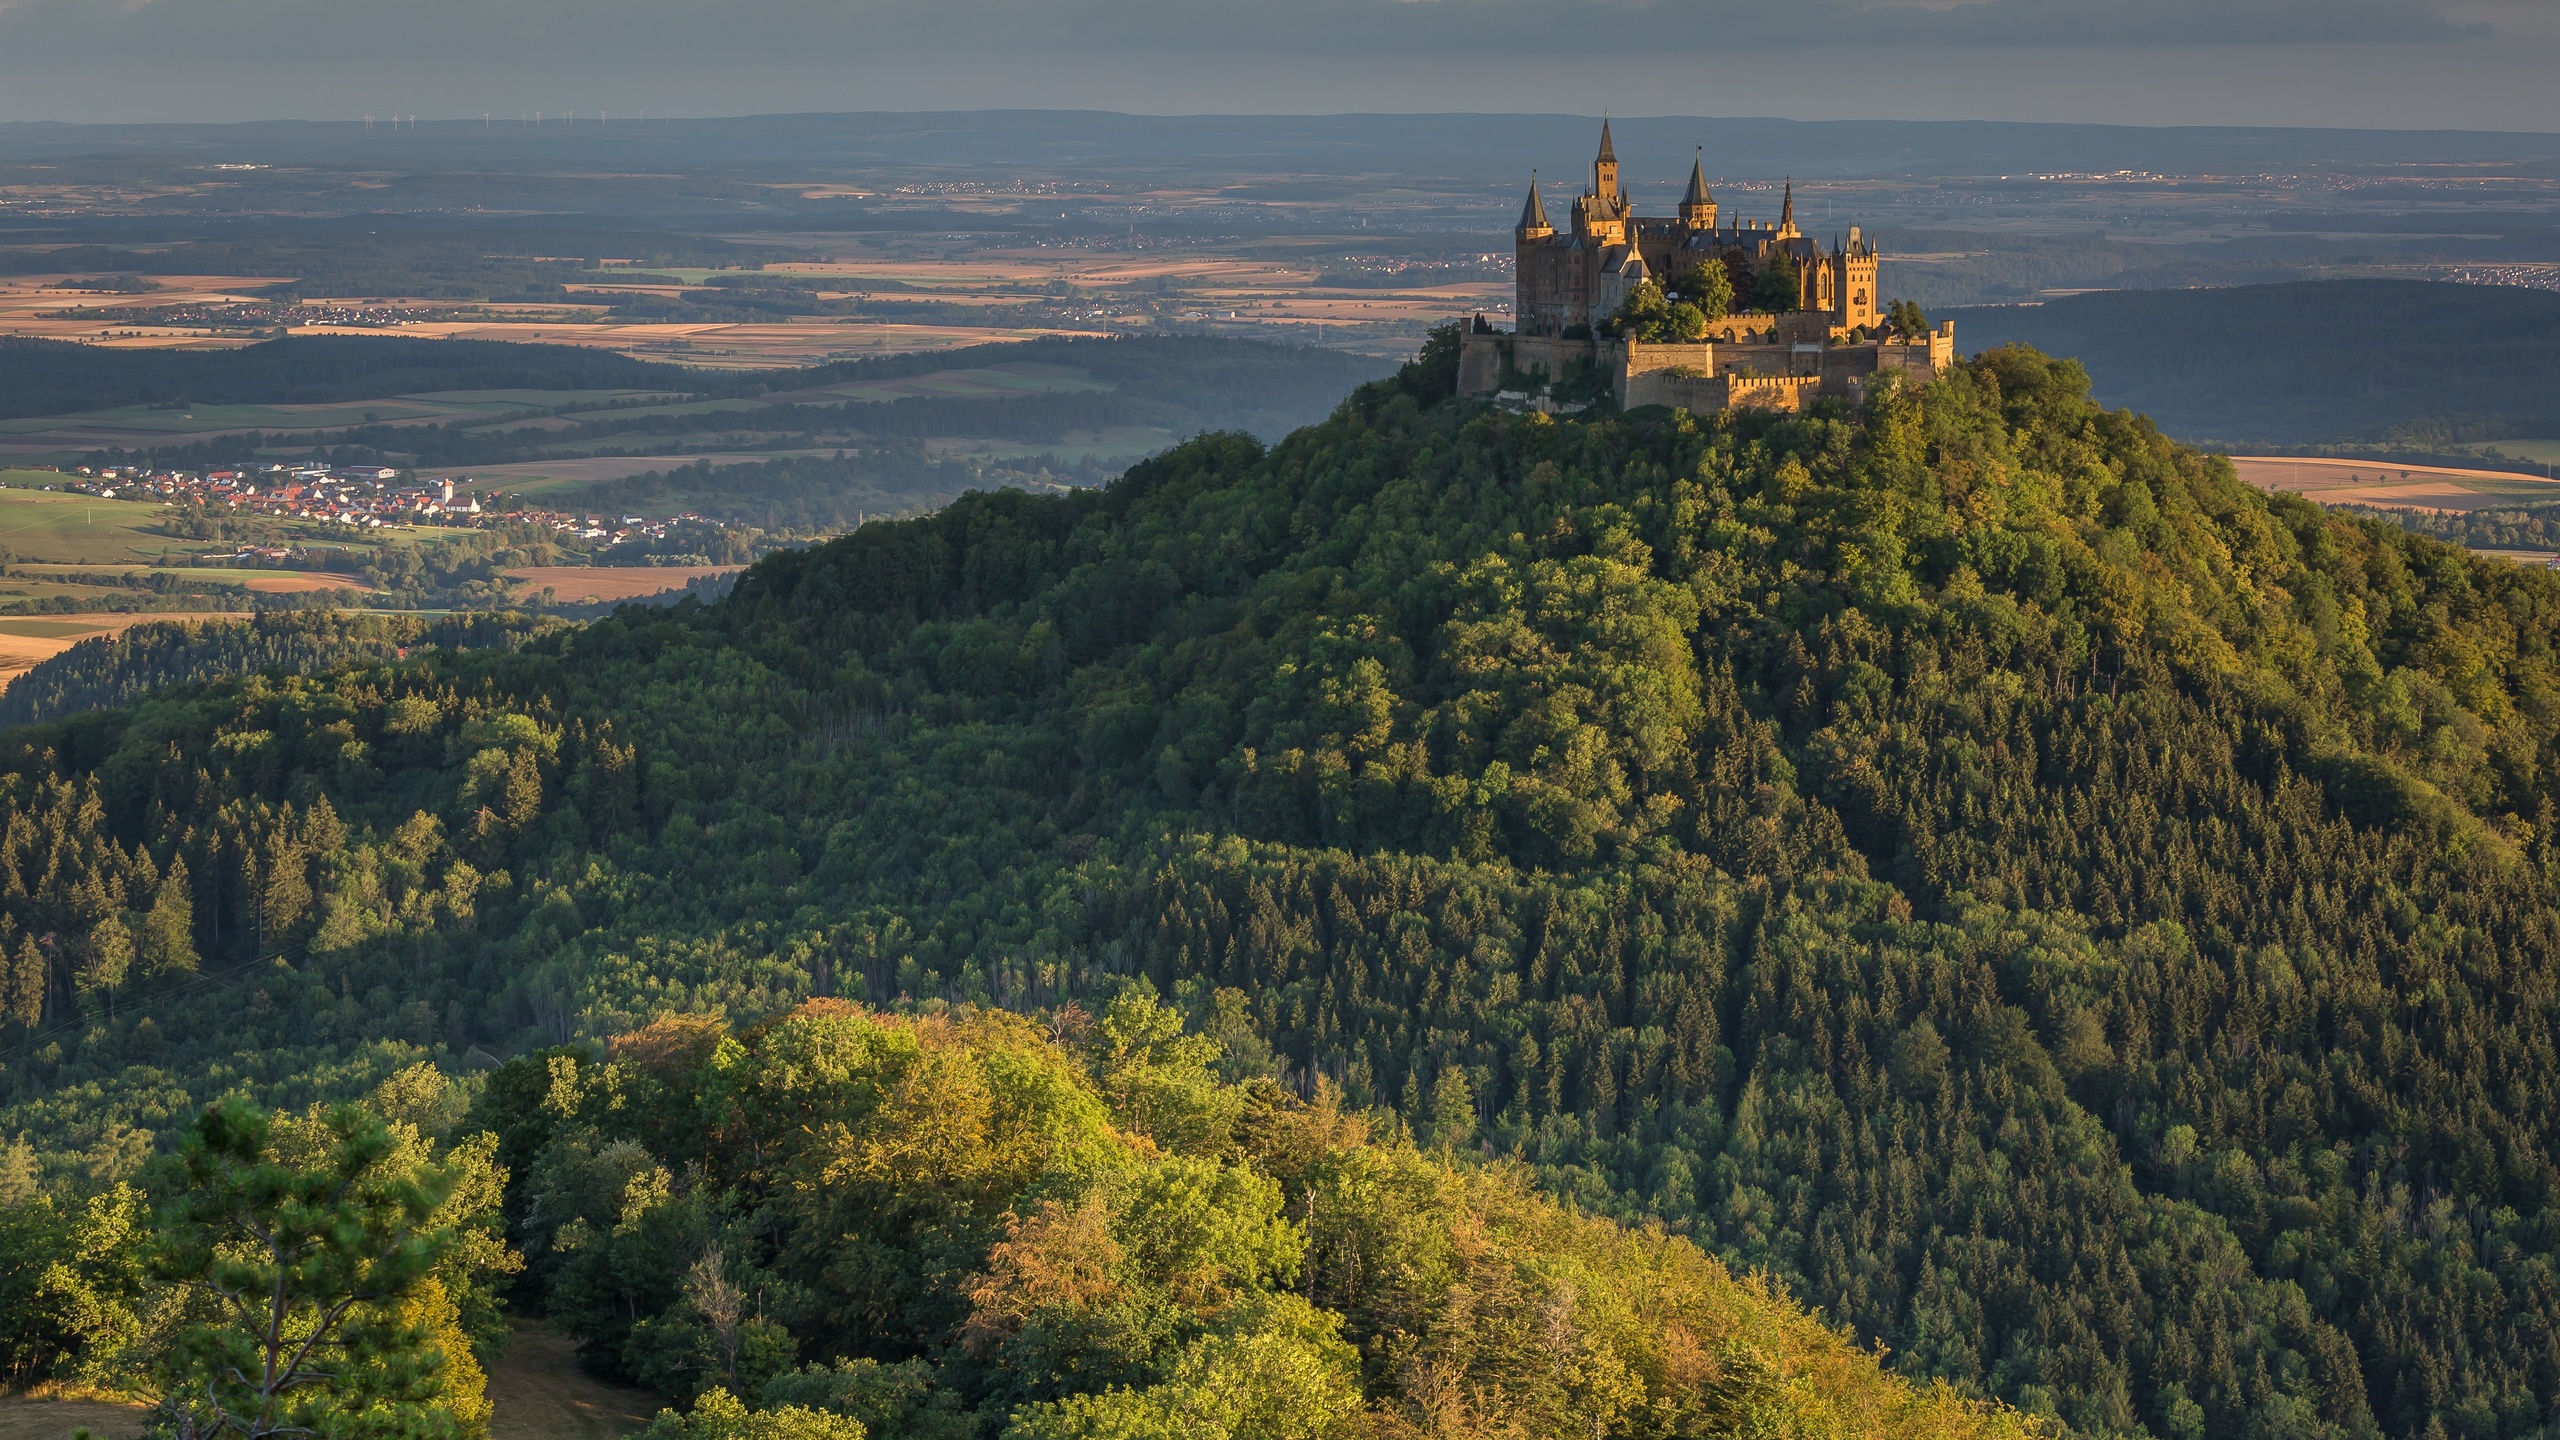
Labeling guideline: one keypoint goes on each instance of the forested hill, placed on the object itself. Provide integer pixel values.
(110, 670)
(2081, 922)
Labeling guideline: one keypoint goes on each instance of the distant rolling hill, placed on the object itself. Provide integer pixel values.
(2332, 360)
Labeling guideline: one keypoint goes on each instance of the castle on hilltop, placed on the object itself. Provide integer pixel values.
(1807, 318)
(1579, 277)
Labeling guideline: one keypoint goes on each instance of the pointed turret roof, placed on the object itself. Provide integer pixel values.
(1787, 216)
(1608, 151)
(1533, 215)
(1697, 182)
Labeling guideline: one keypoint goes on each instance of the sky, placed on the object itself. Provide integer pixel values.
(2386, 64)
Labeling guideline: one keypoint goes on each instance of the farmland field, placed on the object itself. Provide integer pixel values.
(62, 527)
(2392, 485)
(571, 584)
(264, 581)
(977, 295)
(27, 639)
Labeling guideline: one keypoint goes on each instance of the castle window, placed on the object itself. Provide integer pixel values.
(1862, 297)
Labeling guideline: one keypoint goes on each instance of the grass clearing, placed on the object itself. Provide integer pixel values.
(537, 1392)
(27, 1417)
(59, 526)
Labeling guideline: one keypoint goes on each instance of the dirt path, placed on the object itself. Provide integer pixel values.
(537, 1392)
(25, 1419)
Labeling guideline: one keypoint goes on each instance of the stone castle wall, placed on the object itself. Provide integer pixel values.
(1702, 376)
(1706, 394)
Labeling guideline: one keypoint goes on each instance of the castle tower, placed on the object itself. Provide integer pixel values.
(1698, 207)
(1787, 215)
(1533, 215)
(1860, 301)
(1604, 170)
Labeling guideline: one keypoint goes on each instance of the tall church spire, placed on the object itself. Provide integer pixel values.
(1787, 215)
(1533, 215)
(1608, 151)
(1604, 170)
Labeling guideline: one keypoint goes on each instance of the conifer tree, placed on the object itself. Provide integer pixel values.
(27, 977)
(305, 1282)
(168, 940)
(106, 959)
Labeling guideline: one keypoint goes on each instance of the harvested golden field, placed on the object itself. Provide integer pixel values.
(983, 296)
(575, 584)
(29, 305)
(2396, 486)
(27, 640)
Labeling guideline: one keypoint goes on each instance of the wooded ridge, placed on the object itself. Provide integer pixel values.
(2073, 919)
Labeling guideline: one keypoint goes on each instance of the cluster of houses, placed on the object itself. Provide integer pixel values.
(362, 496)
(356, 495)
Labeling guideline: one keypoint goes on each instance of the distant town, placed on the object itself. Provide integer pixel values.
(360, 497)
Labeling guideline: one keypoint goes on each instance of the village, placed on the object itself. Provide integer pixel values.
(362, 497)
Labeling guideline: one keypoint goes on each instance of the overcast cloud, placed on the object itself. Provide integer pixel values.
(2438, 63)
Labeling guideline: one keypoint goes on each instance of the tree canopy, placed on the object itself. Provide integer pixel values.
(2081, 923)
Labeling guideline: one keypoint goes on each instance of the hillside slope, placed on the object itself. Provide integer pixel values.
(2308, 362)
(2079, 921)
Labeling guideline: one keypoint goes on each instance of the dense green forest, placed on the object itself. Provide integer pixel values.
(2305, 362)
(2082, 923)
(112, 670)
(807, 496)
(839, 1224)
(2507, 527)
